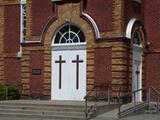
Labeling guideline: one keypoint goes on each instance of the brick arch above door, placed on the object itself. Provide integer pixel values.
(63, 18)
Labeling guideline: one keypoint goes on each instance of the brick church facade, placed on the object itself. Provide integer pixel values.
(60, 49)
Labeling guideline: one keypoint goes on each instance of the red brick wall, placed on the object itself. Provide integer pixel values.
(12, 71)
(152, 22)
(102, 68)
(101, 12)
(42, 11)
(133, 10)
(36, 81)
(153, 70)
(11, 28)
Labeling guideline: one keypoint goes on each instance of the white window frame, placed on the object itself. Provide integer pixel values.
(22, 35)
(62, 34)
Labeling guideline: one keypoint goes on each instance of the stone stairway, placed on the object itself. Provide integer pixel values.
(152, 109)
(43, 110)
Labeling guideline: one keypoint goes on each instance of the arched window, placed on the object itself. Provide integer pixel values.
(69, 34)
(137, 39)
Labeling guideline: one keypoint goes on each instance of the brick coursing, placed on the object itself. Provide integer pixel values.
(111, 22)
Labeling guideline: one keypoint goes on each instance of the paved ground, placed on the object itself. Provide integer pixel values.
(8, 118)
(135, 117)
(143, 117)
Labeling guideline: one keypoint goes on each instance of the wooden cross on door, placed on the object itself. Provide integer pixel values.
(77, 61)
(60, 61)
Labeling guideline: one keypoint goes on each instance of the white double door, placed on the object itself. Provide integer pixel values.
(68, 75)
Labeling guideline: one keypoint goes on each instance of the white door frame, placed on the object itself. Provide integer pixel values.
(69, 42)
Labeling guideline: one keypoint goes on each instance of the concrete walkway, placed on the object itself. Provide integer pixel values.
(135, 117)
(143, 117)
(44, 102)
(14, 118)
(112, 116)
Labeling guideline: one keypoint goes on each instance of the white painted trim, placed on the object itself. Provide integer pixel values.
(32, 41)
(70, 48)
(21, 35)
(23, 1)
(68, 44)
(20, 53)
(129, 27)
(93, 24)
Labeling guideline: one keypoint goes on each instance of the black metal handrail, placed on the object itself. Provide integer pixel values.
(157, 94)
(94, 95)
(147, 99)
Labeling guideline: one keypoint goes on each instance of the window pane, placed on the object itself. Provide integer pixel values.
(69, 34)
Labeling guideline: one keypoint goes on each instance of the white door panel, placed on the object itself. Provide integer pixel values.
(137, 73)
(69, 74)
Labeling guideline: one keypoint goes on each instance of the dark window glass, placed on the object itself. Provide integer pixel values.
(69, 34)
(137, 38)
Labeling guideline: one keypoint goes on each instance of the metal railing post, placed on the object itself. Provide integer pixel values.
(108, 95)
(6, 92)
(148, 96)
(134, 100)
(86, 108)
(158, 104)
(119, 107)
(95, 98)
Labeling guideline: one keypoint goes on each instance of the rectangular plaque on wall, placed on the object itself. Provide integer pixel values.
(36, 71)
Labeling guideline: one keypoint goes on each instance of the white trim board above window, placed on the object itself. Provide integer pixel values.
(23, 1)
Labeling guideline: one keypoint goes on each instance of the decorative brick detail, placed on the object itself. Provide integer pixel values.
(25, 74)
(9, 2)
(29, 21)
(118, 17)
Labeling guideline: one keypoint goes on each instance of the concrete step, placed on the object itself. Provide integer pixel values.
(54, 117)
(151, 111)
(130, 108)
(43, 112)
(49, 108)
(55, 110)
(102, 107)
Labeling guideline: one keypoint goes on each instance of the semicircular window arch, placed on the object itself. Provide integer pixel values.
(69, 34)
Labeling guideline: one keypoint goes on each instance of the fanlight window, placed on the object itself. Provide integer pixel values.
(69, 34)
(137, 38)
